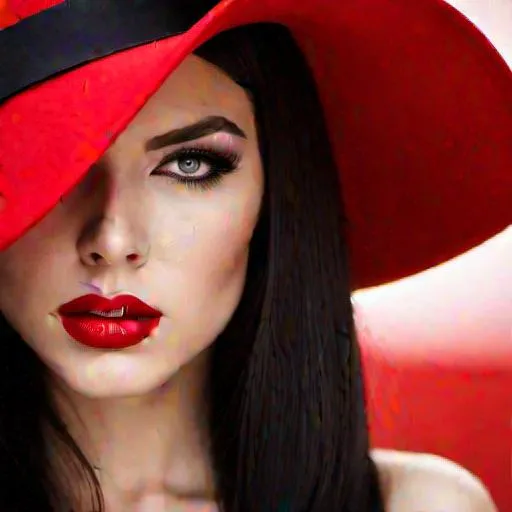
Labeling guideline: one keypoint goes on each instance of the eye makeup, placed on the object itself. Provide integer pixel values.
(199, 166)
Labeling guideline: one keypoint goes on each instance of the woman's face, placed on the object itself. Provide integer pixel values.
(133, 226)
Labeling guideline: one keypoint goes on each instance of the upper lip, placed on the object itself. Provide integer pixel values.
(88, 303)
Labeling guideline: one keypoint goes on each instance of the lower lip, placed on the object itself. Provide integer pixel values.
(108, 333)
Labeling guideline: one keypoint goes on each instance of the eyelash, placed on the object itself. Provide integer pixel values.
(220, 163)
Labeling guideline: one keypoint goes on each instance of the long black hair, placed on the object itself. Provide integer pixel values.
(288, 421)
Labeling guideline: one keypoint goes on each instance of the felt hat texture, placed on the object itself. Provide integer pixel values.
(418, 105)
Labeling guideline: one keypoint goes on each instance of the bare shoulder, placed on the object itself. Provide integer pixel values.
(420, 481)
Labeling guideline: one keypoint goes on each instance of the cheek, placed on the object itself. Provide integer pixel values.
(22, 296)
(204, 258)
(31, 274)
(228, 240)
(209, 242)
(34, 262)
(210, 230)
(19, 276)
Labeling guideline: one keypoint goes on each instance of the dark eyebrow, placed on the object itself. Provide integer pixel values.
(201, 128)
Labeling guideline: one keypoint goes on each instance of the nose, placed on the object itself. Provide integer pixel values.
(115, 234)
(114, 244)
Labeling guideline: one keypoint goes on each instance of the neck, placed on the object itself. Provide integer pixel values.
(154, 444)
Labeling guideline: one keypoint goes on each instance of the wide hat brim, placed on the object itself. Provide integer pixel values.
(418, 105)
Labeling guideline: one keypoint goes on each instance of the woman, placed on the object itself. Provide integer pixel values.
(225, 370)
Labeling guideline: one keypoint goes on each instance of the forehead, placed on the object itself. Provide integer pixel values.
(195, 89)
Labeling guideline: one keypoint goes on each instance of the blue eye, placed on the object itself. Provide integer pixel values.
(189, 165)
(198, 167)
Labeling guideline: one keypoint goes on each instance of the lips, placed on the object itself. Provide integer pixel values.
(103, 323)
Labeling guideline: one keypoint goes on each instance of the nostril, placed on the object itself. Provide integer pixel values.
(96, 257)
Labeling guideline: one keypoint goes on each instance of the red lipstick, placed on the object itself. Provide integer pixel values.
(103, 323)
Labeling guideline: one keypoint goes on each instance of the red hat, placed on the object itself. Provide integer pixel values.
(418, 105)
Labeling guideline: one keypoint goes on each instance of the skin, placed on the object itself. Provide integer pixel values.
(422, 482)
(166, 244)
(144, 407)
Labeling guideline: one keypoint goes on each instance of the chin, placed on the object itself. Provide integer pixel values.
(117, 376)
(142, 369)
(134, 372)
